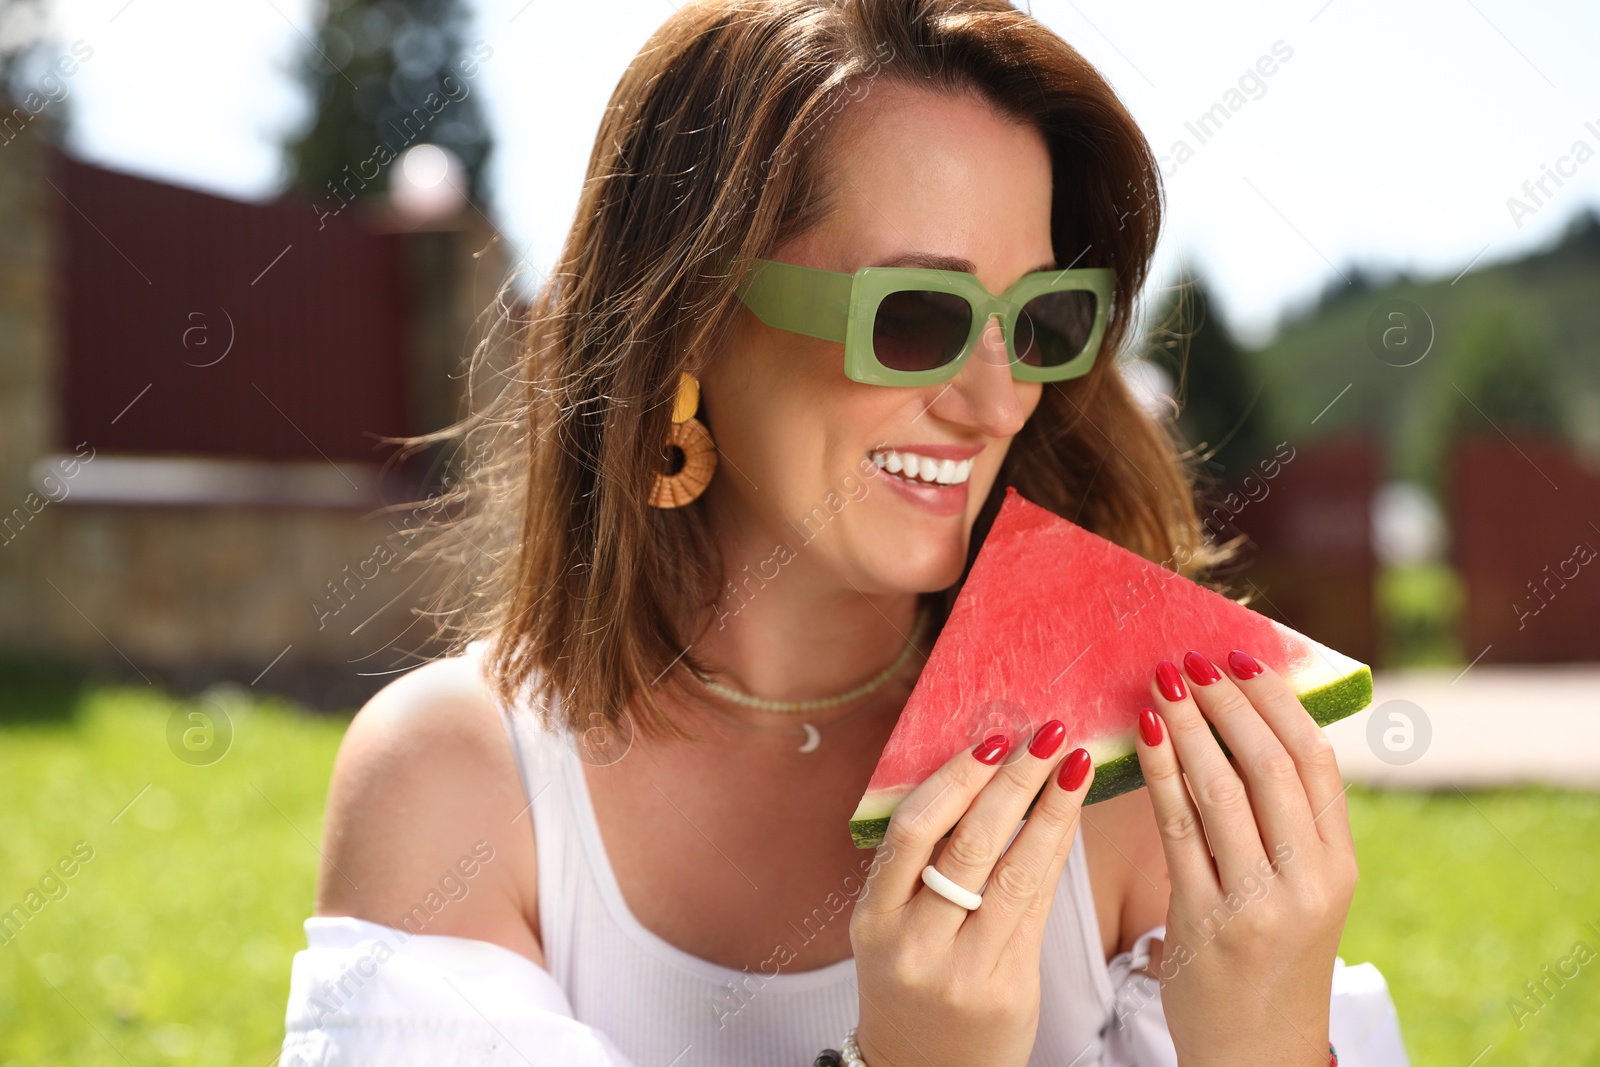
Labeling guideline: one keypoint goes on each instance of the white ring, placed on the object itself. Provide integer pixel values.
(934, 880)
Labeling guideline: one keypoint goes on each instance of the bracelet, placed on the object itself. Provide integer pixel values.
(850, 1051)
(847, 1056)
(1333, 1056)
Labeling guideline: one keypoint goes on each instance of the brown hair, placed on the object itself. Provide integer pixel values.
(710, 154)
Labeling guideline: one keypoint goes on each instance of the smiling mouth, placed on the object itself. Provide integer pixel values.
(922, 470)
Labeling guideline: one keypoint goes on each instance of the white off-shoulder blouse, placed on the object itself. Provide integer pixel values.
(613, 993)
(366, 995)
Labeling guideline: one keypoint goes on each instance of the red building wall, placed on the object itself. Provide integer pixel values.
(211, 311)
(1307, 511)
(1526, 519)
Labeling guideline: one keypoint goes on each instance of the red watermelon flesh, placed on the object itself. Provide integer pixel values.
(1055, 622)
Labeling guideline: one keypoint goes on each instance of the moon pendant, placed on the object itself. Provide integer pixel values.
(813, 737)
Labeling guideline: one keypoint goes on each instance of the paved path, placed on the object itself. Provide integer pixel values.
(1490, 725)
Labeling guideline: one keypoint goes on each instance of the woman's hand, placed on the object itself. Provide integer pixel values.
(1255, 918)
(940, 984)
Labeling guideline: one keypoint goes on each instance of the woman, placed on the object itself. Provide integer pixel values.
(595, 836)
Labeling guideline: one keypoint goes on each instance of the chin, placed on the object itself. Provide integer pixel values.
(913, 557)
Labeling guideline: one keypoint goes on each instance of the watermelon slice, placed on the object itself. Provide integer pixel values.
(1055, 622)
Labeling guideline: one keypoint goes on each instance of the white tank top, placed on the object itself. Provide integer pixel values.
(664, 1007)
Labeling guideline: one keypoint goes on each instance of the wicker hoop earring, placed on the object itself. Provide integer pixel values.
(690, 455)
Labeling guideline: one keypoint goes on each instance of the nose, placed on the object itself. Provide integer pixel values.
(983, 394)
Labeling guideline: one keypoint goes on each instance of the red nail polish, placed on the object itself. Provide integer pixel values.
(1150, 727)
(993, 749)
(1169, 681)
(1243, 664)
(1074, 769)
(1202, 670)
(1048, 739)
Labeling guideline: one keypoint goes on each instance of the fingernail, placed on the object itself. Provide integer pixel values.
(1169, 681)
(1202, 670)
(1048, 739)
(1243, 664)
(993, 749)
(1150, 727)
(1074, 769)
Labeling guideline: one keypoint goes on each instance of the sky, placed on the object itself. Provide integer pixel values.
(1389, 135)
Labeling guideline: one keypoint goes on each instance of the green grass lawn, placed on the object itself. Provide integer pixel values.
(172, 943)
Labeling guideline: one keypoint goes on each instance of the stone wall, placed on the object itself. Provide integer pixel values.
(311, 602)
(27, 343)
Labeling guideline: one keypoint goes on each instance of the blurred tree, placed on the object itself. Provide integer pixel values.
(1214, 383)
(1578, 249)
(24, 58)
(384, 75)
(22, 24)
(1500, 375)
(1353, 282)
(1504, 372)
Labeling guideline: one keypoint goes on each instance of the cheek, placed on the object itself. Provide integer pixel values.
(1030, 393)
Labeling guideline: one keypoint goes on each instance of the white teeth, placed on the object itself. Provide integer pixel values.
(925, 469)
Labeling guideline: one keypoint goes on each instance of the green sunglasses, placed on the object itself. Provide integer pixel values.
(915, 326)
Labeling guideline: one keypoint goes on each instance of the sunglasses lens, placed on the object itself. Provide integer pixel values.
(920, 330)
(1053, 328)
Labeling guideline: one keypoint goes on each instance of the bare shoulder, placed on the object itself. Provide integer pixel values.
(1127, 867)
(425, 827)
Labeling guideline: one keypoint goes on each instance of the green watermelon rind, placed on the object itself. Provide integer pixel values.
(1327, 704)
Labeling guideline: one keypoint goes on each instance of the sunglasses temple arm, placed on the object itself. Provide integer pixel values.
(803, 300)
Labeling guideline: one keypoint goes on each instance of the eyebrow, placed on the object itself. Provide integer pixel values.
(934, 261)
